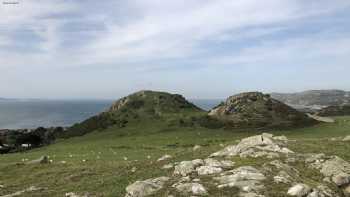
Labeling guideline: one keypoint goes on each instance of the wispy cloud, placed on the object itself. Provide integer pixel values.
(149, 35)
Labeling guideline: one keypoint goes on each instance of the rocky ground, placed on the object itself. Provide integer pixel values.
(281, 172)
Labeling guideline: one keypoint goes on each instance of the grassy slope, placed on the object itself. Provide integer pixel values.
(106, 172)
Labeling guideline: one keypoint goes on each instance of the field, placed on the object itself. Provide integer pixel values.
(104, 163)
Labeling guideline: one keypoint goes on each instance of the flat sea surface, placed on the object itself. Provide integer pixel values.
(19, 114)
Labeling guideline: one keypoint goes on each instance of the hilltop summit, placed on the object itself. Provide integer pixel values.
(139, 106)
(153, 102)
(255, 109)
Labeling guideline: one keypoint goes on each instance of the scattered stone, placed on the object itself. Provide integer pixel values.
(347, 191)
(185, 168)
(341, 179)
(133, 169)
(41, 160)
(208, 170)
(299, 190)
(168, 166)
(19, 193)
(282, 177)
(72, 194)
(192, 188)
(197, 147)
(347, 138)
(164, 157)
(146, 187)
(250, 194)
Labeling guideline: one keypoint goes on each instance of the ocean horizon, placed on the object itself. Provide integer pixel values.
(33, 113)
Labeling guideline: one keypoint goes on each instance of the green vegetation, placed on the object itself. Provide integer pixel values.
(96, 163)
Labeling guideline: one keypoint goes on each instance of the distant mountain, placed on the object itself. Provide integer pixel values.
(315, 99)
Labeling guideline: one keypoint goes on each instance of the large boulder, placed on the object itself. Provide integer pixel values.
(256, 146)
(255, 109)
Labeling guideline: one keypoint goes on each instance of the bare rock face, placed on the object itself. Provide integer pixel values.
(255, 109)
(256, 146)
(146, 187)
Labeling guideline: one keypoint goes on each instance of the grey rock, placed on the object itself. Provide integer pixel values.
(192, 189)
(299, 190)
(164, 157)
(146, 187)
(246, 178)
(208, 170)
(41, 160)
(347, 138)
(255, 146)
(185, 168)
(341, 179)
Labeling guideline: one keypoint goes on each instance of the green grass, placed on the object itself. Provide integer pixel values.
(106, 172)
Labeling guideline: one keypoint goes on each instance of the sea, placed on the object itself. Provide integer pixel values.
(30, 114)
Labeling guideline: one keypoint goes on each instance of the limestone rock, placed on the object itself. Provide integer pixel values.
(208, 170)
(282, 177)
(185, 168)
(41, 160)
(341, 179)
(347, 138)
(255, 146)
(299, 190)
(192, 189)
(247, 178)
(196, 147)
(164, 157)
(146, 187)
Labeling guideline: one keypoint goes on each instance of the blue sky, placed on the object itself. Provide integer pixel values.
(198, 48)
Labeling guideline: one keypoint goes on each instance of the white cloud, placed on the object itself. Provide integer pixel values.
(147, 35)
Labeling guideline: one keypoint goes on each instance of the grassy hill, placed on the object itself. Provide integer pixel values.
(142, 106)
(102, 163)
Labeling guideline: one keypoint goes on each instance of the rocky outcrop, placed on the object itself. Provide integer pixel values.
(198, 177)
(265, 145)
(255, 109)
